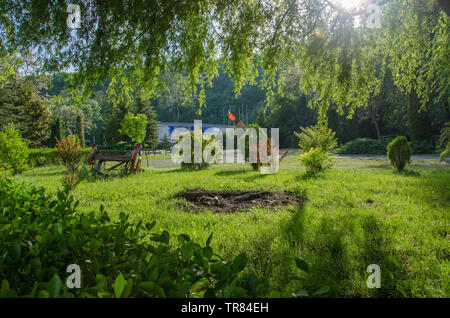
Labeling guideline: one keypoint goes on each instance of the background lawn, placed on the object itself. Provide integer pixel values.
(358, 214)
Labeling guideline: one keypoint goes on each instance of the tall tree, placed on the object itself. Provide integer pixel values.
(21, 105)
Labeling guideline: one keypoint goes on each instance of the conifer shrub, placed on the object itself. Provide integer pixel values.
(399, 152)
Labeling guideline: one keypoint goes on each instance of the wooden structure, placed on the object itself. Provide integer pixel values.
(125, 154)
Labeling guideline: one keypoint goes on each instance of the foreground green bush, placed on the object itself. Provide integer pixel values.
(13, 150)
(399, 152)
(40, 236)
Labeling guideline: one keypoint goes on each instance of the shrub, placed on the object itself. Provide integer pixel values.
(365, 146)
(319, 137)
(421, 147)
(40, 236)
(134, 126)
(399, 152)
(13, 150)
(70, 152)
(316, 160)
(204, 142)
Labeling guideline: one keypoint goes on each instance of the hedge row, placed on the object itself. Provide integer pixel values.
(367, 146)
(45, 157)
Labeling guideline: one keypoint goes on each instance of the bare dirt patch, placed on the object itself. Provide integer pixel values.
(233, 200)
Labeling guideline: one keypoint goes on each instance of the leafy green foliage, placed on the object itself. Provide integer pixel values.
(13, 150)
(316, 160)
(399, 152)
(319, 137)
(134, 126)
(117, 259)
(70, 152)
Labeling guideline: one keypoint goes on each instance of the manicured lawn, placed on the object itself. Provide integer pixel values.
(358, 214)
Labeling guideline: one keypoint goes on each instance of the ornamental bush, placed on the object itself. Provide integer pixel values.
(319, 137)
(70, 152)
(399, 153)
(13, 150)
(316, 160)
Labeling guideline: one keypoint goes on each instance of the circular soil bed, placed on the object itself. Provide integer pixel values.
(230, 201)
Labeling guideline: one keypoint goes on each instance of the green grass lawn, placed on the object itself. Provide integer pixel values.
(357, 214)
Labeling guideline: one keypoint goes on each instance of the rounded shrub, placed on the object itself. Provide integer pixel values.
(399, 152)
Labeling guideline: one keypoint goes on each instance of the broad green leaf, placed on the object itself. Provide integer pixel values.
(119, 285)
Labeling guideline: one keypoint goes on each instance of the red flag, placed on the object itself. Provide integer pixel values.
(231, 116)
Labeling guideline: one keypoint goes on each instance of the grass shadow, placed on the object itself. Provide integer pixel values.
(337, 251)
(229, 173)
(408, 173)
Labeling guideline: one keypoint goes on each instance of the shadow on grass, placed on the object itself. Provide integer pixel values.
(229, 173)
(308, 175)
(407, 173)
(338, 253)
